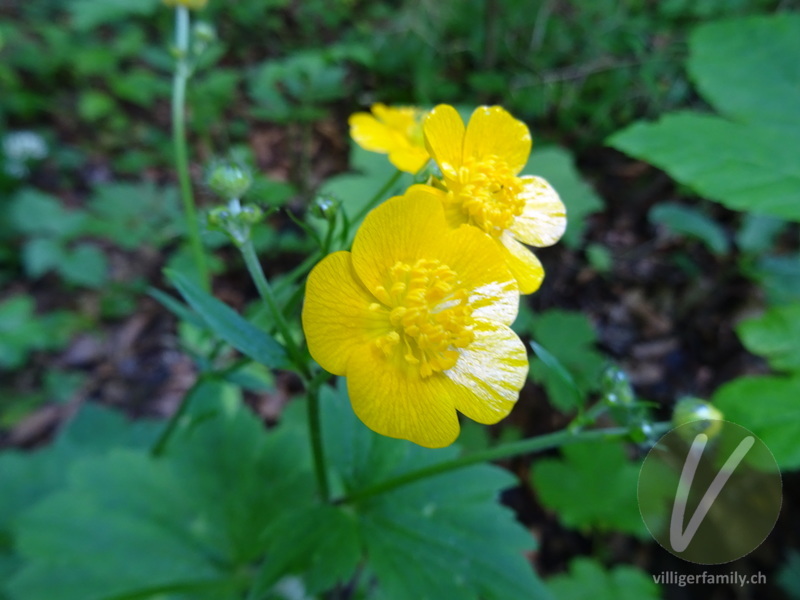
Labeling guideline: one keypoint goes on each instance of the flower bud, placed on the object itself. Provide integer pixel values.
(616, 387)
(325, 206)
(230, 180)
(704, 417)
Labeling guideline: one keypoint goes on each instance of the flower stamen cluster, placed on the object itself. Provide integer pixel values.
(428, 315)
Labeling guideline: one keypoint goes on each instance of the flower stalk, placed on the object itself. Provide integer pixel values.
(180, 79)
(527, 446)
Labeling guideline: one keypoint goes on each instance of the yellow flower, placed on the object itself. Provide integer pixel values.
(191, 4)
(480, 167)
(393, 131)
(416, 317)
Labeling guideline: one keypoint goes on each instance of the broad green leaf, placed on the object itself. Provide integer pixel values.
(748, 68)
(186, 524)
(441, 537)
(27, 477)
(691, 222)
(228, 324)
(588, 580)
(569, 338)
(775, 336)
(592, 487)
(743, 166)
(779, 276)
(557, 166)
(768, 407)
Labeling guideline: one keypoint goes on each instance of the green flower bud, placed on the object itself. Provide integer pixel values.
(616, 387)
(230, 180)
(204, 32)
(325, 206)
(704, 417)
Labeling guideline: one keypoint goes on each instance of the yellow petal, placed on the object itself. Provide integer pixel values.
(544, 218)
(490, 373)
(444, 138)
(393, 400)
(410, 159)
(371, 134)
(404, 228)
(493, 131)
(481, 269)
(336, 318)
(524, 266)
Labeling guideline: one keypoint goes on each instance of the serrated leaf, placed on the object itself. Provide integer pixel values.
(557, 166)
(768, 407)
(185, 524)
(761, 84)
(444, 536)
(588, 580)
(228, 324)
(569, 339)
(690, 222)
(775, 335)
(592, 487)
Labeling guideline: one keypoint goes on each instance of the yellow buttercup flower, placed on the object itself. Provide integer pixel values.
(481, 186)
(191, 4)
(393, 131)
(416, 317)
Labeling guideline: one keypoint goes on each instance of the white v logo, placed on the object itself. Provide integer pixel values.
(681, 540)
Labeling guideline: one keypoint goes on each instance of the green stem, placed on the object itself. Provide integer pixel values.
(179, 81)
(315, 431)
(378, 196)
(527, 446)
(266, 293)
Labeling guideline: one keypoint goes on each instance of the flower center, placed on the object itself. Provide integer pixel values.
(429, 316)
(488, 193)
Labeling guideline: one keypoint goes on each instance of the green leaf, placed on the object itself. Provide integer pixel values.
(588, 580)
(743, 166)
(691, 222)
(34, 212)
(557, 166)
(127, 524)
(775, 336)
(757, 233)
(789, 576)
(568, 339)
(768, 407)
(749, 162)
(29, 477)
(441, 537)
(40, 254)
(228, 324)
(592, 487)
(761, 84)
(87, 14)
(85, 265)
